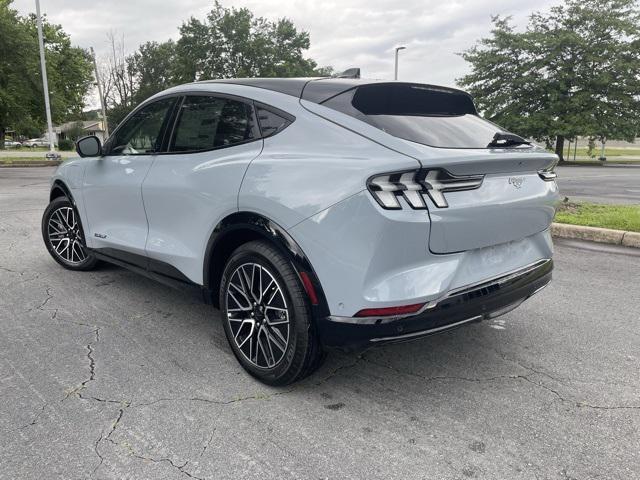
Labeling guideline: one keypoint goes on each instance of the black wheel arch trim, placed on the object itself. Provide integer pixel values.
(276, 235)
(59, 185)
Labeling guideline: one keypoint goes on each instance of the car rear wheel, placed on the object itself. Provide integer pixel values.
(63, 236)
(267, 317)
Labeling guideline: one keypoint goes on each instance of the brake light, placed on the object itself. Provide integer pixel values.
(412, 185)
(390, 311)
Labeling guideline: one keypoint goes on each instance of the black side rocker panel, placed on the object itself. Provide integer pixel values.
(154, 269)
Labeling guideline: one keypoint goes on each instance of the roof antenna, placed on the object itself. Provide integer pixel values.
(349, 73)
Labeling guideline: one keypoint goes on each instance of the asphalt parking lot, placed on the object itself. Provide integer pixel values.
(601, 184)
(109, 375)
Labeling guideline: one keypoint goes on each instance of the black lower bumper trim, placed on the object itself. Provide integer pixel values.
(487, 300)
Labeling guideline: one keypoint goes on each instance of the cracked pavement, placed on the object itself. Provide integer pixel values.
(108, 375)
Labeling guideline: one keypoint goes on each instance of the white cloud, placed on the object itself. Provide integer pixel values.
(344, 33)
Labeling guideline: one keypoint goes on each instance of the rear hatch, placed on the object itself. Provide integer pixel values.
(487, 186)
(512, 202)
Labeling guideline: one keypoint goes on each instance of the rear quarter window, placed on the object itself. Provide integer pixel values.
(272, 120)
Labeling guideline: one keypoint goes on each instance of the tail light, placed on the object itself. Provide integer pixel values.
(548, 174)
(413, 185)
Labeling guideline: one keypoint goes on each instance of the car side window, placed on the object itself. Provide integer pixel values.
(142, 133)
(208, 122)
(272, 122)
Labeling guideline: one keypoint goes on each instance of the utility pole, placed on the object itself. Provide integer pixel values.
(99, 83)
(395, 75)
(45, 82)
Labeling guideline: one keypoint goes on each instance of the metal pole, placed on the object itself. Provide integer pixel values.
(395, 74)
(99, 83)
(45, 82)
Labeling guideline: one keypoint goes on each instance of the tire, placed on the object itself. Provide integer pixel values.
(269, 326)
(63, 236)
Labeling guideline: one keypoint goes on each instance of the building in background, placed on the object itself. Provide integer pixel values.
(79, 128)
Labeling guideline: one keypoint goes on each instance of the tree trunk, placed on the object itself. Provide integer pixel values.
(560, 147)
(1, 138)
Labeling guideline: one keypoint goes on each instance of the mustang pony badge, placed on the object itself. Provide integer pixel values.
(516, 181)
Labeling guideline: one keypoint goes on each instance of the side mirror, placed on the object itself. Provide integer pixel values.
(89, 146)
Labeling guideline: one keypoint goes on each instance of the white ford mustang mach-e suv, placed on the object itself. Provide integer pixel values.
(314, 213)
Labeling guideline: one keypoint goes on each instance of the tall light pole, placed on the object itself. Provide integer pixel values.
(105, 125)
(45, 82)
(395, 74)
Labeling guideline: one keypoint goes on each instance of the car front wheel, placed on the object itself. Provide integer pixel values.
(267, 317)
(63, 236)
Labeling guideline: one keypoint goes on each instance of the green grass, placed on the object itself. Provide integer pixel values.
(617, 217)
(20, 159)
(11, 160)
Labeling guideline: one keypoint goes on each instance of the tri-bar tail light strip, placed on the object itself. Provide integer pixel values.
(412, 185)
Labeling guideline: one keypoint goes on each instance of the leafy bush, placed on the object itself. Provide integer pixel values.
(66, 144)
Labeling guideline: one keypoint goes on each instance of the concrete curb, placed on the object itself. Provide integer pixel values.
(594, 234)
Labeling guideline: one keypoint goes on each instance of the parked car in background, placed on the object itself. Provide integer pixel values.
(12, 144)
(36, 142)
(314, 213)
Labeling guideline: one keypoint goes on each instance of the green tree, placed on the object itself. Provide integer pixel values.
(69, 71)
(233, 42)
(154, 65)
(229, 42)
(573, 71)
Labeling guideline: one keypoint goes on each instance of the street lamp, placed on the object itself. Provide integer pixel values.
(45, 83)
(395, 75)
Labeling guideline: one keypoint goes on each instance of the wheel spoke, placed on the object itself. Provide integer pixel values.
(241, 291)
(273, 323)
(245, 279)
(77, 249)
(252, 324)
(277, 309)
(263, 292)
(236, 300)
(58, 250)
(58, 223)
(59, 219)
(277, 341)
(73, 218)
(269, 345)
(56, 230)
(259, 283)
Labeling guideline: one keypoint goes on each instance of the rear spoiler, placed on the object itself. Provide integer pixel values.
(322, 89)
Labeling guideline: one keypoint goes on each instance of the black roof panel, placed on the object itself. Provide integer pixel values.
(289, 86)
(315, 89)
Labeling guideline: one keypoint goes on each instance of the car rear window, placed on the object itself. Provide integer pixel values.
(272, 122)
(433, 116)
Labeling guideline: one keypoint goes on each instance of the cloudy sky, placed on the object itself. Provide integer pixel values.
(344, 33)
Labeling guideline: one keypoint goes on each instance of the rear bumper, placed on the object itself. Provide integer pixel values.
(488, 299)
